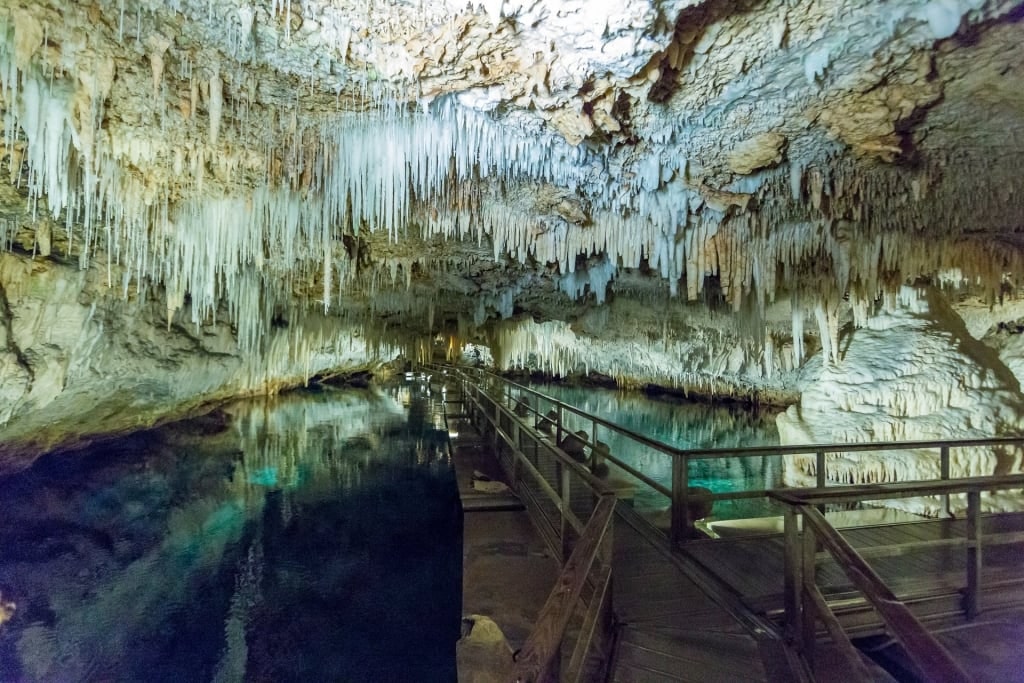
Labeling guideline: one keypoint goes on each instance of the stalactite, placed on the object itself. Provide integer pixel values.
(459, 174)
(216, 107)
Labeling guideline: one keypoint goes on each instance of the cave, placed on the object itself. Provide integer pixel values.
(813, 206)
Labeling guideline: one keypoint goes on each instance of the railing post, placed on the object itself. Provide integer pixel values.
(820, 475)
(517, 467)
(679, 513)
(972, 601)
(565, 491)
(944, 476)
(792, 574)
(558, 426)
(808, 576)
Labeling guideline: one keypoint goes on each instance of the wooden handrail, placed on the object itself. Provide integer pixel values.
(849, 494)
(679, 492)
(539, 656)
(747, 451)
(544, 643)
(581, 471)
(927, 653)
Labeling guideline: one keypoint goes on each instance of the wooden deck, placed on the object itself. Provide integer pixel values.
(712, 609)
(929, 579)
(669, 629)
(507, 571)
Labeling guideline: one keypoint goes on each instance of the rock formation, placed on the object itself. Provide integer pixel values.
(207, 199)
(912, 373)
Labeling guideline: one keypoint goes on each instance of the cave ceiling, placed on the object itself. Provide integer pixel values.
(448, 163)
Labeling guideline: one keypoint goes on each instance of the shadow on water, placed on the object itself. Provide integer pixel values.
(311, 536)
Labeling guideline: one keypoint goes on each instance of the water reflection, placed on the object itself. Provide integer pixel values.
(685, 424)
(303, 537)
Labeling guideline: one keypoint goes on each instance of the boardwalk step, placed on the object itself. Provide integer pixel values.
(489, 503)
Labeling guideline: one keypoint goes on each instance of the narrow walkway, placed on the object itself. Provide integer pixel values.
(668, 627)
(711, 611)
(670, 630)
(507, 570)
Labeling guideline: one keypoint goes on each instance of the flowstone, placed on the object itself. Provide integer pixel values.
(913, 372)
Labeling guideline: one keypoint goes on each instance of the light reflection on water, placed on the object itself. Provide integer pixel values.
(684, 424)
(311, 536)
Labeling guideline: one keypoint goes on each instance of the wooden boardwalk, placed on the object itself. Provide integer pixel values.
(929, 579)
(669, 628)
(712, 609)
(507, 571)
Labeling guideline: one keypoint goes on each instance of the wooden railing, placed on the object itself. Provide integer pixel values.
(806, 529)
(559, 494)
(540, 657)
(681, 496)
(550, 483)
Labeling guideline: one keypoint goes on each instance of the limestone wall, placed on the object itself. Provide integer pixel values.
(913, 372)
(78, 360)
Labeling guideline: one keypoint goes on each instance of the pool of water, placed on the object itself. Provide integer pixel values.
(307, 537)
(684, 424)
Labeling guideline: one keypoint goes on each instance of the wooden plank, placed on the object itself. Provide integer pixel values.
(839, 638)
(596, 611)
(627, 672)
(489, 502)
(709, 655)
(861, 492)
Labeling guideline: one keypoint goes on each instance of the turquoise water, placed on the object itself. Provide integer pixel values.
(307, 537)
(684, 424)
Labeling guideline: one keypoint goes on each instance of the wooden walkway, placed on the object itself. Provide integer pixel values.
(929, 579)
(712, 610)
(507, 570)
(669, 629)
(667, 626)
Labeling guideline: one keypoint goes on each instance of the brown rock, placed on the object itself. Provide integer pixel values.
(760, 151)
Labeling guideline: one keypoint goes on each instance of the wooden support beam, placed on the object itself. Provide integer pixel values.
(972, 601)
(808, 577)
(927, 654)
(851, 655)
(793, 573)
(680, 524)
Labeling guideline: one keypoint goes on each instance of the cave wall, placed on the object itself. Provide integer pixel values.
(78, 360)
(696, 194)
(912, 372)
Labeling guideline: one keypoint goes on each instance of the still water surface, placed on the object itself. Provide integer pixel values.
(683, 424)
(307, 537)
(314, 536)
